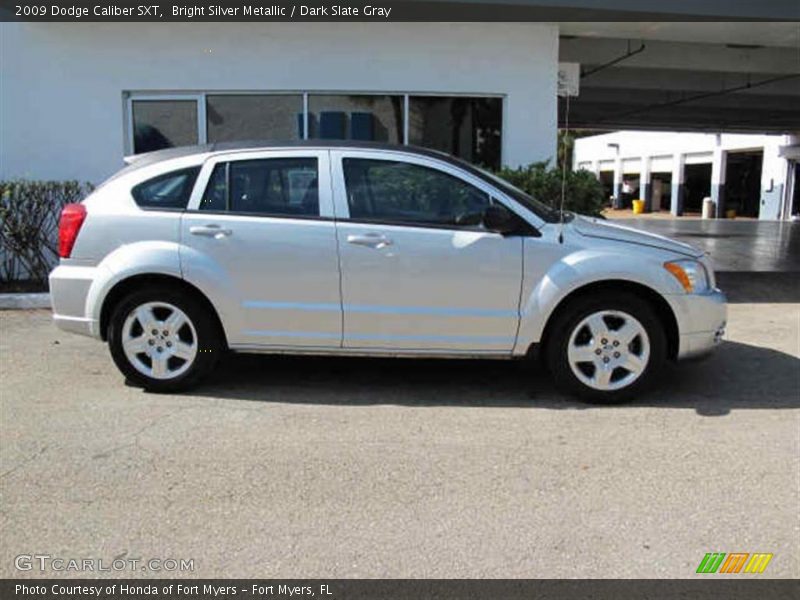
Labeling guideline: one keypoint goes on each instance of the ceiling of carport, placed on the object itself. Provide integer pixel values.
(781, 34)
(747, 80)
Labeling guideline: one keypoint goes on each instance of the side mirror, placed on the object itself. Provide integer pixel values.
(499, 219)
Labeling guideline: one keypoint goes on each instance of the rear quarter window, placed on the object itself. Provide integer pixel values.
(170, 190)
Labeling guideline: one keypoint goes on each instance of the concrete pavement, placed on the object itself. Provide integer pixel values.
(740, 245)
(288, 467)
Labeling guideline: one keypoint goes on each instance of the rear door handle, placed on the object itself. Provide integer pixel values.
(212, 231)
(370, 240)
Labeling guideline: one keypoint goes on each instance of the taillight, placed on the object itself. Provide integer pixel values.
(72, 217)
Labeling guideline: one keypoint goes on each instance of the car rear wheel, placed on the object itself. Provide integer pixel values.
(163, 339)
(606, 348)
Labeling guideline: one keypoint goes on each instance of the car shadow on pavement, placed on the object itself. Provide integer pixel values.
(737, 376)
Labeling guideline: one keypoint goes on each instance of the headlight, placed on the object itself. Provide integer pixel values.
(691, 274)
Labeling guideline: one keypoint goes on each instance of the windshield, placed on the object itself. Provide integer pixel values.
(539, 208)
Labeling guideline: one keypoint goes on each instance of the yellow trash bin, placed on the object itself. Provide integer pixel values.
(638, 207)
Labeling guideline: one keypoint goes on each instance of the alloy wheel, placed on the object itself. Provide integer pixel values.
(159, 340)
(608, 350)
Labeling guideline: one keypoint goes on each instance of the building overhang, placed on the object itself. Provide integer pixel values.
(631, 10)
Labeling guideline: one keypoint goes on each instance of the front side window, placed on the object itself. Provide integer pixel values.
(171, 190)
(282, 187)
(399, 192)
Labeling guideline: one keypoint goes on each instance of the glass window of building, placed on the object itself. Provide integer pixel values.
(236, 117)
(362, 117)
(467, 127)
(159, 124)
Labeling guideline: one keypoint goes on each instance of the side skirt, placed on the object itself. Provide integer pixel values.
(377, 352)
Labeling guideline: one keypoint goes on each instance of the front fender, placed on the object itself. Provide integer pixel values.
(544, 290)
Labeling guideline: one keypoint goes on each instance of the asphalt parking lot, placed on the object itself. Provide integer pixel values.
(289, 467)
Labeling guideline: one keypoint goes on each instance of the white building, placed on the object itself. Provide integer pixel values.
(753, 175)
(77, 97)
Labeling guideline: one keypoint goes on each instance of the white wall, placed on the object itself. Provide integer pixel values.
(61, 93)
(638, 144)
(593, 153)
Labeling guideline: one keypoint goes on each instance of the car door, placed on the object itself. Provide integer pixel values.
(260, 239)
(419, 272)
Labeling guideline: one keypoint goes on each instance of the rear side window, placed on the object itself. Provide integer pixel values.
(171, 190)
(281, 187)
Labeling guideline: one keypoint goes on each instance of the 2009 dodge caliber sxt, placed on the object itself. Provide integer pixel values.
(369, 250)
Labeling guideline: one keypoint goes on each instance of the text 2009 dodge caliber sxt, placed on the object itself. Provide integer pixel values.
(368, 250)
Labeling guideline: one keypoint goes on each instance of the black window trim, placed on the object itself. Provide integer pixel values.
(223, 213)
(227, 187)
(525, 229)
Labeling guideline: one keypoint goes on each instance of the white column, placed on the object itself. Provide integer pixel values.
(645, 184)
(678, 184)
(618, 181)
(718, 169)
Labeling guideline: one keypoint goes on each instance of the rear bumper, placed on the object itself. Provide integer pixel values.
(702, 319)
(69, 290)
(79, 325)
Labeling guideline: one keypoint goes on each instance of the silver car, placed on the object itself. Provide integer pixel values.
(362, 249)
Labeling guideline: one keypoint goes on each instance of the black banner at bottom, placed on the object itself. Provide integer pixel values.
(399, 589)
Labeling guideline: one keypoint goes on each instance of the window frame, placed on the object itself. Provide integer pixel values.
(411, 222)
(503, 112)
(403, 141)
(203, 102)
(166, 97)
(496, 196)
(129, 97)
(326, 209)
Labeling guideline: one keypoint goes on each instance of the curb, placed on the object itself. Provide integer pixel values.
(24, 301)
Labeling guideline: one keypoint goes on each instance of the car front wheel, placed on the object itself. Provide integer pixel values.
(163, 340)
(606, 348)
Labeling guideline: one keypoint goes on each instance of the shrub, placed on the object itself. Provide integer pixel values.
(29, 213)
(584, 194)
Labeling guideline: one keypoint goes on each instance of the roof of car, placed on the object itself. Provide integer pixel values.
(146, 159)
(149, 158)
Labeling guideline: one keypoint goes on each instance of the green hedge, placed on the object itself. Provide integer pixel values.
(584, 193)
(29, 213)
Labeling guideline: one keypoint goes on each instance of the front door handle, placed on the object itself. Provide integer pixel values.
(370, 240)
(212, 231)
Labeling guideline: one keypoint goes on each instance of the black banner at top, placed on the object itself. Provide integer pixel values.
(398, 10)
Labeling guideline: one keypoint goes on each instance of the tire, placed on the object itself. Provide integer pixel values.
(178, 332)
(606, 348)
